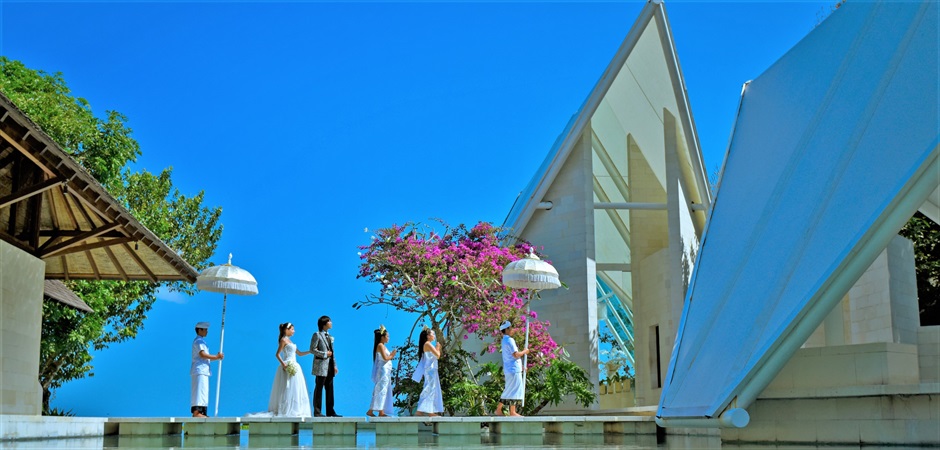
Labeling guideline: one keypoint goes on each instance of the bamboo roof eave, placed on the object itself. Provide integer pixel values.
(70, 245)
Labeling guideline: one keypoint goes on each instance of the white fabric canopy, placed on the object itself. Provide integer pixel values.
(835, 146)
(227, 279)
(530, 273)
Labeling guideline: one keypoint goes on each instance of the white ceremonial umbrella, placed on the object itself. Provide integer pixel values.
(533, 274)
(227, 279)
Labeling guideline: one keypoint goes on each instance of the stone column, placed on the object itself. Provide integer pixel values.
(21, 287)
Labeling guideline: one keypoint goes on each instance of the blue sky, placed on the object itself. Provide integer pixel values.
(308, 122)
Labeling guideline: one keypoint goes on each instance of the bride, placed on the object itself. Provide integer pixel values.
(289, 396)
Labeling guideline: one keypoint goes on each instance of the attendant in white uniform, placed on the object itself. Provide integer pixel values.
(381, 375)
(199, 372)
(512, 370)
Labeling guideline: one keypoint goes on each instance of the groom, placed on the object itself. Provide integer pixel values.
(324, 367)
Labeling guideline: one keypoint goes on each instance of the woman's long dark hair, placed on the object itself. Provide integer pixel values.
(282, 330)
(379, 334)
(421, 340)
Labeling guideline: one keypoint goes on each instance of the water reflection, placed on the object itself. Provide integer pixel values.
(269, 441)
(344, 441)
(516, 440)
(462, 441)
(574, 440)
(400, 440)
(71, 443)
(691, 442)
(232, 441)
(632, 440)
(148, 441)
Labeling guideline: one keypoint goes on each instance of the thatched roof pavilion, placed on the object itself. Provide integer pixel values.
(51, 208)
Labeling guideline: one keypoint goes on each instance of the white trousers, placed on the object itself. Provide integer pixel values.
(199, 393)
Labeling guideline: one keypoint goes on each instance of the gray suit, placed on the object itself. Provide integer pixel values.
(319, 345)
(324, 369)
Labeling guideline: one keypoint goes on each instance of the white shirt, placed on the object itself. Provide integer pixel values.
(200, 365)
(511, 364)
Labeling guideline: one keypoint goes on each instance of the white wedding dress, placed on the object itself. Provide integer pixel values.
(289, 396)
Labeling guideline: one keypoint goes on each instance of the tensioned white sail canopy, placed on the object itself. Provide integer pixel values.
(834, 148)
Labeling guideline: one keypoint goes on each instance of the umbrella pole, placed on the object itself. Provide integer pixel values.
(218, 381)
(525, 358)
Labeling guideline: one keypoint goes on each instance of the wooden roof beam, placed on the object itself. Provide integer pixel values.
(34, 211)
(71, 233)
(117, 264)
(88, 203)
(100, 244)
(77, 240)
(94, 267)
(22, 149)
(68, 207)
(89, 275)
(55, 235)
(30, 191)
(140, 262)
(8, 158)
(50, 200)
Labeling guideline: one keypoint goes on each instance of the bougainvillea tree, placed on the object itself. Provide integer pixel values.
(451, 280)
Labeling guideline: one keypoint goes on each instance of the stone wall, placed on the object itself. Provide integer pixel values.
(928, 354)
(567, 233)
(864, 418)
(815, 369)
(883, 303)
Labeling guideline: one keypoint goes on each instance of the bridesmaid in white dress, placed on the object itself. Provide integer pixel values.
(289, 396)
(381, 375)
(431, 401)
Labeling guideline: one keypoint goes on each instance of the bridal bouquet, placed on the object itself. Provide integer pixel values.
(292, 369)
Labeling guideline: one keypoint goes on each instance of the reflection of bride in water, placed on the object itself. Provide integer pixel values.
(289, 396)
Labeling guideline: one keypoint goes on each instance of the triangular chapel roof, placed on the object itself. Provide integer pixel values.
(654, 10)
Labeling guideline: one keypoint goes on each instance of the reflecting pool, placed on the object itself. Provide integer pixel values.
(366, 439)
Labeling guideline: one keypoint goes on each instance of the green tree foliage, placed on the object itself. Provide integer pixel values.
(925, 234)
(101, 146)
(545, 385)
(469, 393)
(104, 147)
(552, 384)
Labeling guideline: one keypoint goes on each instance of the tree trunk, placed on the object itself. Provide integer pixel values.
(49, 378)
(539, 408)
(46, 398)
